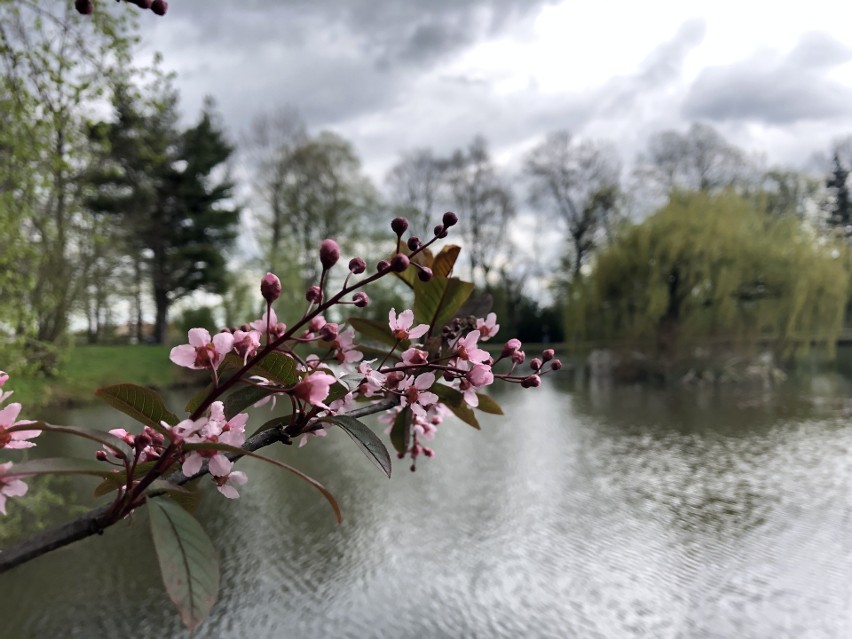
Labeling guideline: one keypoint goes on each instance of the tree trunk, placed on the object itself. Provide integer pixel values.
(161, 321)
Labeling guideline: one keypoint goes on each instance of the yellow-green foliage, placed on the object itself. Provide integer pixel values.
(741, 276)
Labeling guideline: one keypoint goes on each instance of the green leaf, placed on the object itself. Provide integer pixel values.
(336, 391)
(118, 478)
(244, 397)
(142, 404)
(444, 261)
(401, 431)
(61, 466)
(187, 498)
(188, 561)
(366, 439)
(488, 405)
(374, 330)
(93, 434)
(436, 301)
(242, 451)
(454, 400)
(277, 367)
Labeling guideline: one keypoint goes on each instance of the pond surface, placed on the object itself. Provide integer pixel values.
(588, 511)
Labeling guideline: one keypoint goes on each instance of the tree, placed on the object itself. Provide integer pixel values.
(166, 188)
(577, 185)
(840, 215)
(698, 160)
(484, 205)
(416, 184)
(712, 268)
(55, 64)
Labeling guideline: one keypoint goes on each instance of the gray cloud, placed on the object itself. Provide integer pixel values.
(774, 90)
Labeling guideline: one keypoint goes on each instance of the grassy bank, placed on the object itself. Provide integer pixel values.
(90, 367)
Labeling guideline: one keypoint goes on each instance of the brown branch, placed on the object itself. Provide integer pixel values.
(97, 520)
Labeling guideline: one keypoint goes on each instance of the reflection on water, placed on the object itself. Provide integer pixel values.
(589, 511)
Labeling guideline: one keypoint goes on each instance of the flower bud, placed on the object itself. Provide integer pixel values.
(329, 253)
(399, 262)
(382, 266)
(361, 300)
(143, 4)
(160, 7)
(101, 455)
(518, 357)
(449, 219)
(329, 332)
(439, 230)
(357, 265)
(535, 363)
(414, 243)
(270, 287)
(533, 381)
(399, 225)
(86, 7)
(424, 274)
(279, 329)
(428, 452)
(555, 365)
(141, 440)
(547, 354)
(4, 377)
(314, 294)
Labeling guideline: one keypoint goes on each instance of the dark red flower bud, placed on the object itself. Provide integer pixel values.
(414, 243)
(533, 381)
(328, 332)
(428, 452)
(329, 253)
(227, 329)
(270, 287)
(143, 4)
(399, 262)
(361, 300)
(535, 363)
(357, 265)
(425, 274)
(555, 365)
(450, 219)
(141, 440)
(438, 230)
(547, 354)
(314, 294)
(86, 7)
(101, 455)
(160, 7)
(382, 266)
(399, 225)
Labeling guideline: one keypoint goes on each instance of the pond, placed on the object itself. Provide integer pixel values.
(589, 510)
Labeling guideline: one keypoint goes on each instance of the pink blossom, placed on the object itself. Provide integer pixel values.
(228, 479)
(487, 327)
(346, 352)
(373, 380)
(314, 388)
(268, 321)
(466, 349)
(202, 352)
(480, 375)
(415, 357)
(246, 343)
(319, 432)
(9, 487)
(415, 393)
(16, 438)
(4, 377)
(401, 327)
(343, 405)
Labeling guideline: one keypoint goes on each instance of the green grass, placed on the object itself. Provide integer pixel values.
(92, 366)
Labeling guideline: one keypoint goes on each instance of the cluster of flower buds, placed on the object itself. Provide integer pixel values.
(159, 7)
(14, 434)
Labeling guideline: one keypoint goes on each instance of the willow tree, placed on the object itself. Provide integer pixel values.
(713, 270)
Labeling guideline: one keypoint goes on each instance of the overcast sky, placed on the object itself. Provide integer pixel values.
(397, 74)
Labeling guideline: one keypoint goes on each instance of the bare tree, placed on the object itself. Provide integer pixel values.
(577, 184)
(484, 204)
(416, 183)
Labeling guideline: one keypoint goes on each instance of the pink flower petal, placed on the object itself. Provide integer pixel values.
(219, 465)
(183, 355)
(199, 337)
(191, 465)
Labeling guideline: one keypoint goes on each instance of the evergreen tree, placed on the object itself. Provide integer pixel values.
(841, 211)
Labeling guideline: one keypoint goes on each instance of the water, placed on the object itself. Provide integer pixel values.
(588, 511)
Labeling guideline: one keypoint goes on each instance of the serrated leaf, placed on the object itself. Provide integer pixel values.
(366, 439)
(60, 466)
(454, 400)
(401, 431)
(277, 367)
(488, 405)
(436, 301)
(242, 451)
(374, 330)
(188, 561)
(444, 261)
(140, 403)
